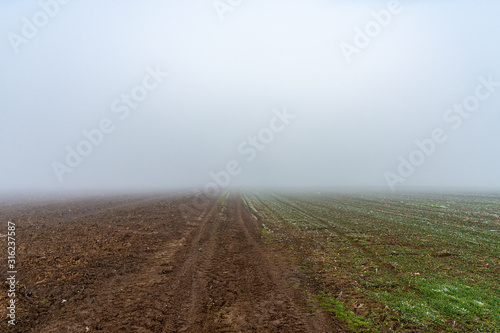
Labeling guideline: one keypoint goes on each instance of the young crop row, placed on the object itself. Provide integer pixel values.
(436, 267)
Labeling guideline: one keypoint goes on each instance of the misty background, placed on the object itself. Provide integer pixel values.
(352, 119)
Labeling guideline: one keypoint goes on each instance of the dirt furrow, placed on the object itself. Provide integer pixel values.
(130, 302)
(146, 268)
(183, 280)
(234, 287)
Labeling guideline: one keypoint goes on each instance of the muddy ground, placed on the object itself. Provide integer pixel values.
(139, 265)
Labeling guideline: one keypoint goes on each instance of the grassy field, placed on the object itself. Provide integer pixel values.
(392, 262)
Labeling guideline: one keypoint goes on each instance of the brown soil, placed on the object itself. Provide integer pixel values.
(137, 265)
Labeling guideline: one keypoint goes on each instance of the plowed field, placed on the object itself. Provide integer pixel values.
(139, 265)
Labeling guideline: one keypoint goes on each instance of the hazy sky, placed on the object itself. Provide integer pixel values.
(158, 94)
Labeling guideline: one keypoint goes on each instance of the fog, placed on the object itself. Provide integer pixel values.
(166, 95)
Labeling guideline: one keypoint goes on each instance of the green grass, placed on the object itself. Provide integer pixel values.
(337, 308)
(435, 206)
(464, 303)
(436, 302)
(438, 269)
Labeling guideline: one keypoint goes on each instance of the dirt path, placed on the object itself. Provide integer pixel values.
(212, 273)
(228, 283)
